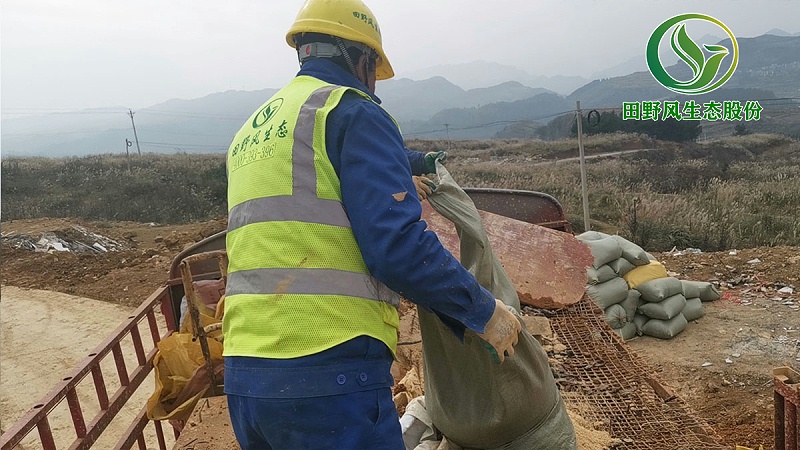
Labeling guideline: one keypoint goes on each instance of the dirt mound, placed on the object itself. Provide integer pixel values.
(758, 317)
(127, 274)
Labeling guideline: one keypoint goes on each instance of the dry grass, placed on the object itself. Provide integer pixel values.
(735, 192)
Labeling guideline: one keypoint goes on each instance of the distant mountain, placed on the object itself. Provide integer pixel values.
(436, 107)
(768, 62)
(478, 74)
(638, 63)
(199, 125)
(429, 97)
(779, 32)
(409, 100)
(207, 124)
(486, 121)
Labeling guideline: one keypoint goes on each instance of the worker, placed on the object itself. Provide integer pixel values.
(324, 236)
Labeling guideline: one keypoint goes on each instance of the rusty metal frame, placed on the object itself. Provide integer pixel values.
(605, 379)
(192, 301)
(786, 396)
(528, 206)
(87, 433)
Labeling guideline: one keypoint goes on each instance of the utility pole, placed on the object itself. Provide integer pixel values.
(579, 117)
(130, 113)
(447, 133)
(127, 153)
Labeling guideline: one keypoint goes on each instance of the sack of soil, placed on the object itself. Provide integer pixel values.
(631, 303)
(638, 321)
(601, 275)
(604, 250)
(690, 290)
(621, 266)
(707, 292)
(609, 293)
(591, 235)
(615, 316)
(693, 309)
(632, 252)
(665, 309)
(645, 273)
(660, 289)
(474, 401)
(627, 332)
(665, 329)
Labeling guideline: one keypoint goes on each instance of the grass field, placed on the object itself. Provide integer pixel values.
(733, 192)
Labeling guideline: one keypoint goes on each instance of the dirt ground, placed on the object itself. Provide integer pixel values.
(752, 329)
(44, 334)
(755, 325)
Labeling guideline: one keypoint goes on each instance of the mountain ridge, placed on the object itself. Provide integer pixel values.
(432, 108)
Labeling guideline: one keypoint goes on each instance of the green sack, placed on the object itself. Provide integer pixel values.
(474, 401)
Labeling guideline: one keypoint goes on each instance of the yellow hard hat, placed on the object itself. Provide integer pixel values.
(347, 19)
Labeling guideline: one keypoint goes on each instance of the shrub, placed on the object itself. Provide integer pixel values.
(733, 192)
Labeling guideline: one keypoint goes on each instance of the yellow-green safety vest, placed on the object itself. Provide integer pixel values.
(297, 282)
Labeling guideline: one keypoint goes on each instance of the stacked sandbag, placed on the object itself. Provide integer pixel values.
(662, 304)
(697, 292)
(662, 296)
(636, 293)
(614, 256)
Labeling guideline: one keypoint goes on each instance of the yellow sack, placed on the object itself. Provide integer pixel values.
(645, 273)
(181, 376)
(208, 317)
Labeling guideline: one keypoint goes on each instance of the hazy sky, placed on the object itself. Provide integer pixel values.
(61, 55)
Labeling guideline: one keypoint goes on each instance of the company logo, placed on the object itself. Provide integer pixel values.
(706, 65)
(267, 112)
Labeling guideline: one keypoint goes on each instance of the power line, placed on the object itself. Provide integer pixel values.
(196, 114)
(487, 124)
(55, 111)
(181, 145)
(56, 133)
(26, 112)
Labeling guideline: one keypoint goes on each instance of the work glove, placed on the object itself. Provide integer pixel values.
(502, 332)
(431, 158)
(424, 186)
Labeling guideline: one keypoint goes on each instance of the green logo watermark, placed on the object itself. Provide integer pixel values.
(705, 70)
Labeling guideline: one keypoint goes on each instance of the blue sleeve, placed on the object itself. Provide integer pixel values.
(367, 152)
(416, 160)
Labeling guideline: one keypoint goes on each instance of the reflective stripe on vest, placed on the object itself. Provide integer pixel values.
(309, 281)
(302, 206)
(297, 281)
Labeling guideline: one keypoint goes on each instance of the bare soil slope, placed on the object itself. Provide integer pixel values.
(753, 320)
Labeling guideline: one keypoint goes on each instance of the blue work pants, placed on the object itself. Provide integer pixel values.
(340, 398)
(361, 420)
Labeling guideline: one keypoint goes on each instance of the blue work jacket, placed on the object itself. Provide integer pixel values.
(368, 154)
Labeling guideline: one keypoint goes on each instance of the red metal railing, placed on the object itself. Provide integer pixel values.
(87, 433)
(787, 401)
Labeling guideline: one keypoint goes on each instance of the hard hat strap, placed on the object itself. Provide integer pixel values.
(346, 54)
(317, 50)
(330, 50)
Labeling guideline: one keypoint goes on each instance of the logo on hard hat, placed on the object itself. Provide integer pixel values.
(705, 70)
(367, 20)
(267, 112)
